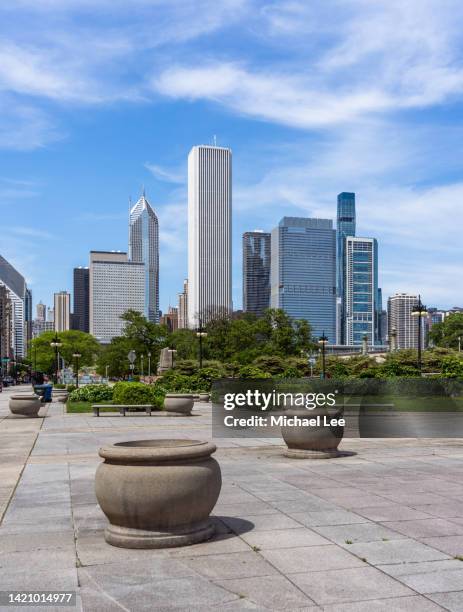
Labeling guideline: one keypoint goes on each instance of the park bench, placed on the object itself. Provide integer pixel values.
(122, 408)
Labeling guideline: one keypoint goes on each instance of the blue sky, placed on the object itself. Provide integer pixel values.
(101, 97)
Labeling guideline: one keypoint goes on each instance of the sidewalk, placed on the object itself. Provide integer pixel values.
(378, 530)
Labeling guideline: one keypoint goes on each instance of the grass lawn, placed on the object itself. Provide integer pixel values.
(87, 407)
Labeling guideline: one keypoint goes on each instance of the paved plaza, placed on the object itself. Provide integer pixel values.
(379, 529)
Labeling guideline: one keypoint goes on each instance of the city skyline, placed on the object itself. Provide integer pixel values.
(310, 105)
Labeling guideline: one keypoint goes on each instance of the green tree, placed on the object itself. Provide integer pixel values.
(113, 356)
(144, 336)
(447, 333)
(72, 341)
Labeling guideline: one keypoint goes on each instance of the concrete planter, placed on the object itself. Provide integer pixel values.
(158, 493)
(26, 404)
(181, 403)
(312, 442)
(204, 397)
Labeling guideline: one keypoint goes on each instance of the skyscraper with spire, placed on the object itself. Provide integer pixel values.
(345, 227)
(144, 248)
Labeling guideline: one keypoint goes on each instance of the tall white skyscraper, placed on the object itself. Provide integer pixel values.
(62, 303)
(183, 306)
(209, 233)
(401, 322)
(144, 248)
(115, 286)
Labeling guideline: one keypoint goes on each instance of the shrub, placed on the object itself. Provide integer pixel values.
(133, 393)
(251, 372)
(71, 388)
(59, 386)
(452, 367)
(92, 393)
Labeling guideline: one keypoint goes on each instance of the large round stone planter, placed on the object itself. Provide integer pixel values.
(316, 441)
(204, 397)
(158, 493)
(26, 404)
(180, 403)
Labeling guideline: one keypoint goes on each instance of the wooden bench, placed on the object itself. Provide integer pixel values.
(122, 408)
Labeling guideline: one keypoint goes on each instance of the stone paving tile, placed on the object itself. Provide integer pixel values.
(394, 512)
(426, 528)
(261, 522)
(452, 545)
(304, 559)
(449, 601)
(436, 581)
(360, 532)
(396, 551)
(143, 588)
(347, 585)
(284, 538)
(271, 592)
(60, 558)
(420, 567)
(327, 517)
(448, 509)
(230, 565)
(19, 542)
(396, 604)
(245, 508)
(33, 579)
(348, 497)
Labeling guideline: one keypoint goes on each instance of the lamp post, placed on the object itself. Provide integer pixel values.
(200, 333)
(149, 364)
(77, 356)
(420, 312)
(323, 341)
(56, 344)
(142, 370)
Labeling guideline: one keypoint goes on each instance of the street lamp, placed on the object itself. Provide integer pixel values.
(200, 333)
(142, 371)
(77, 356)
(149, 364)
(419, 311)
(323, 341)
(56, 344)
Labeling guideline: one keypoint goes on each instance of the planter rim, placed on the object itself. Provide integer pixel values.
(186, 395)
(165, 449)
(23, 396)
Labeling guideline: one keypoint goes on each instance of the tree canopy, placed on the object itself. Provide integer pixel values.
(42, 355)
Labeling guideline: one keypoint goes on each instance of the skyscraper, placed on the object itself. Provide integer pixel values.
(144, 248)
(16, 286)
(345, 227)
(41, 312)
(81, 299)
(183, 306)
(27, 317)
(62, 304)
(6, 325)
(361, 290)
(256, 271)
(209, 233)
(303, 272)
(116, 285)
(401, 322)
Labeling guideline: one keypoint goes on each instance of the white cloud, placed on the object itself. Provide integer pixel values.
(164, 174)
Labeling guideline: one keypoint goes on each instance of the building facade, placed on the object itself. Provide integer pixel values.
(256, 271)
(345, 226)
(209, 234)
(40, 312)
(361, 290)
(183, 306)
(144, 248)
(14, 282)
(62, 310)
(170, 319)
(6, 325)
(303, 272)
(116, 285)
(402, 324)
(81, 304)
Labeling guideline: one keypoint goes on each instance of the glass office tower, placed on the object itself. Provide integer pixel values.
(303, 272)
(256, 271)
(345, 227)
(361, 290)
(144, 248)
